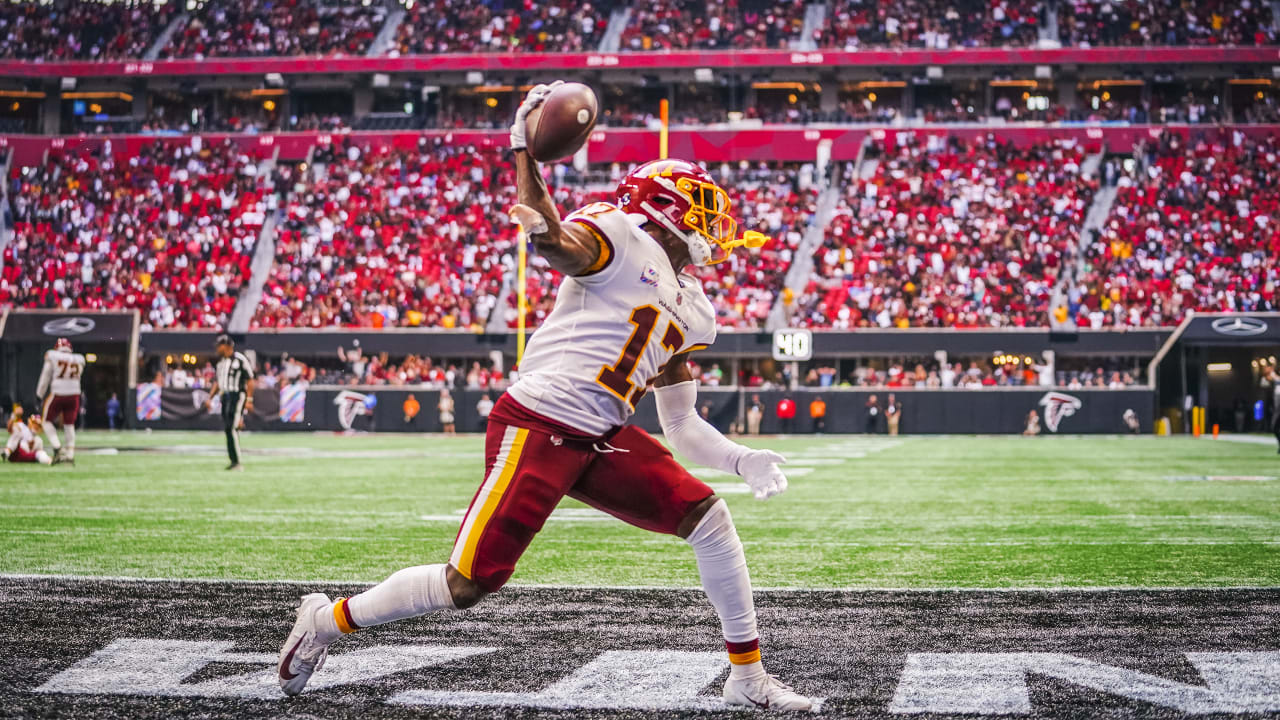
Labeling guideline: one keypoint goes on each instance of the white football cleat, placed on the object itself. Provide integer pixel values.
(302, 654)
(766, 692)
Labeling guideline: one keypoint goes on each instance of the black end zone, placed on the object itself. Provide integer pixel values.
(83, 648)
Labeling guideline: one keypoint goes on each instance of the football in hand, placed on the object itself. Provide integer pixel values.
(559, 126)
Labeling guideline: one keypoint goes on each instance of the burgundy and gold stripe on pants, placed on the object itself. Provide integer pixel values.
(487, 499)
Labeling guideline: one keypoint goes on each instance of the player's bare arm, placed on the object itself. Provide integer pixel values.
(568, 248)
(676, 371)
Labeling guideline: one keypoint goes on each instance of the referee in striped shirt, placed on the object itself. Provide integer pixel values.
(235, 381)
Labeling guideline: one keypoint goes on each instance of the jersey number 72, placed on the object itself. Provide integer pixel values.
(617, 378)
(68, 370)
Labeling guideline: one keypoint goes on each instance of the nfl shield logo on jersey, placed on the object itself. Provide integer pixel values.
(650, 275)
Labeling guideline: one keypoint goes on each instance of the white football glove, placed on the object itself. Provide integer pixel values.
(531, 101)
(759, 469)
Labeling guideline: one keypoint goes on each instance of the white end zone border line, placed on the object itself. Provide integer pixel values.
(698, 588)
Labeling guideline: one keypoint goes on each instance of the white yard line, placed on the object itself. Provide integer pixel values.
(381, 534)
(558, 586)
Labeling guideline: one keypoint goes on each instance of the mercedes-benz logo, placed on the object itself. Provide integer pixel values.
(1239, 326)
(69, 326)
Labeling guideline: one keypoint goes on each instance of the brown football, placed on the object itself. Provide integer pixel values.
(559, 126)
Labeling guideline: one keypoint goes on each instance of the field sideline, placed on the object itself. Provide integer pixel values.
(862, 512)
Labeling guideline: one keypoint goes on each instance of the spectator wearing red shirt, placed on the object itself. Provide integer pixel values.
(786, 412)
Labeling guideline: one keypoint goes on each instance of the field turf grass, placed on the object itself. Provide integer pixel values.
(862, 512)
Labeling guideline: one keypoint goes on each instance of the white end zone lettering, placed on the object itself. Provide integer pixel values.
(996, 683)
(160, 667)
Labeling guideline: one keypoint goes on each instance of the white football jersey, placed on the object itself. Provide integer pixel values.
(613, 329)
(21, 438)
(61, 373)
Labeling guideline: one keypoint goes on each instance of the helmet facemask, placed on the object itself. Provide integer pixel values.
(711, 230)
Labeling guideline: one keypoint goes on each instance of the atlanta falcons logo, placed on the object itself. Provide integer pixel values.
(1058, 406)
(352, 405)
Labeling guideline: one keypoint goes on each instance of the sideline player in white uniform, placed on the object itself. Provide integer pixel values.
(59, 395)
(24, 444)
(625, 318)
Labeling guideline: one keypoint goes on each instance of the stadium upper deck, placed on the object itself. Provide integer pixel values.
(68, 30)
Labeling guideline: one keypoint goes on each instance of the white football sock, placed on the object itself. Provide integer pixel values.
(70, 431)
(723, 568)
(408, 593)
(52, 433)
(43, 458)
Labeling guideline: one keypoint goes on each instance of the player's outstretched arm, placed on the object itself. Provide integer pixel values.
(696, 439)
(568, 248)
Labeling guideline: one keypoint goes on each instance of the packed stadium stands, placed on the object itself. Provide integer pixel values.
(942, 232)
(437, 26)
(1194, 226)
(1166, 22)
(169, 231)
(932, 24)
(248, 28)
(375, 231)
(393, 237)
(80, 29)
(949, 233)
(686, 24)
(93, 29)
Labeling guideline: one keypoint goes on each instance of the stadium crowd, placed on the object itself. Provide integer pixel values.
(392, 237)
(934, 24)
(251, 28)
(169, 231)
(81, 29)
(439, 26)
(1165, 22)
(419, 238)
(714, 25)
(94, 29)
(937, 232)
(1195, 225)
(949, 233)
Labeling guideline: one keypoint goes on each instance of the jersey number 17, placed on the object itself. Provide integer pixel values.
(617, 378)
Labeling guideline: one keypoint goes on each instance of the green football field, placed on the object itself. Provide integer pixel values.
(862, 512)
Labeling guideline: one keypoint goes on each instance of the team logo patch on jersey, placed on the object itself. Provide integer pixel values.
(650, 275)
(1058, 406)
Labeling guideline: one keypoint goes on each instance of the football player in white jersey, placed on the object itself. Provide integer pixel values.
(59, 395)
(626, 317)
(24, 444)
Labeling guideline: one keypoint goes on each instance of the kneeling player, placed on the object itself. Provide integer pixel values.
(626, 317)
(25, 445)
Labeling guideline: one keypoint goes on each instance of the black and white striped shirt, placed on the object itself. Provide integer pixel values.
(234, 373)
